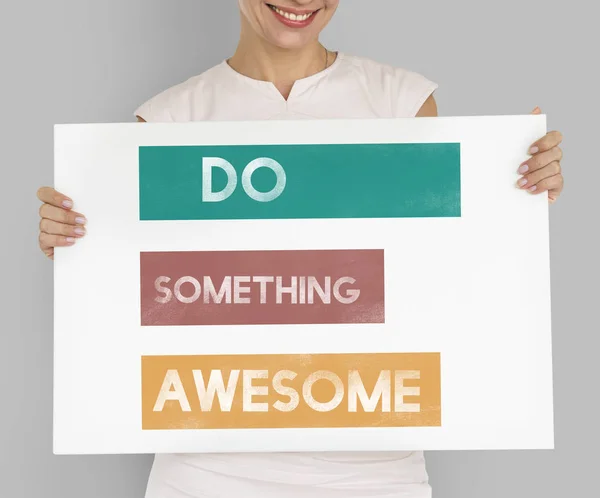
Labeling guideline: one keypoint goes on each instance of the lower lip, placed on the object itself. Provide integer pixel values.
(294, 24)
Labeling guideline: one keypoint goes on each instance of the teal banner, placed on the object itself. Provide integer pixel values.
(257, 182)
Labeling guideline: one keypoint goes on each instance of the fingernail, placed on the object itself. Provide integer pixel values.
(80, 220)
(532, 189)
(522, 182)
(67, 204)
(70, 240)
(79, 231)
(524, 168)
(534, 149)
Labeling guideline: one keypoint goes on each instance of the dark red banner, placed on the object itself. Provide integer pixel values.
(262, 287)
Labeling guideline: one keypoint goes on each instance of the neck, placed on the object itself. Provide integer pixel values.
(259, 60)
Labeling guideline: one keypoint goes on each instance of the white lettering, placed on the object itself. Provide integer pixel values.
(281, 290)
(401, 391)
(324, 294)
(172, 380)
(250, 390)
(208, 163)
(382, 390)
(210, 291)
(323, 375)
(351, 294)
(180, 296)
(163, 290)
(216, 385)
(276, 191)
(263, 281)
(290, 392)
(238, 290)
(245, 289)
(302, 290)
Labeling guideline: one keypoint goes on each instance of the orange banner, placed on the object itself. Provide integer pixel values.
(291, 391)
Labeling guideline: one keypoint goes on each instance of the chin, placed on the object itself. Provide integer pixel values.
(290, 41)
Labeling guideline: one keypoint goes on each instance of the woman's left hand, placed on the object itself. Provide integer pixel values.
(542, 172)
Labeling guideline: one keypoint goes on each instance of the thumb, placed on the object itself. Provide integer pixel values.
(537, 110)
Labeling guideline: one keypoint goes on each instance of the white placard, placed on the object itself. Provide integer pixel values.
(473, 288)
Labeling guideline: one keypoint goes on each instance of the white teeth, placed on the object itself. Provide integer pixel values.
(291, 16)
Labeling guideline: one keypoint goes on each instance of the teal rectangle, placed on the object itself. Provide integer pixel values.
(418, 180)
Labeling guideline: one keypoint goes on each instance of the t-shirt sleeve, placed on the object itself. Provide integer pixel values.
(413, 89)
(158, 108)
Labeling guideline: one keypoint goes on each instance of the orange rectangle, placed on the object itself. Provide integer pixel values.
(291, 391)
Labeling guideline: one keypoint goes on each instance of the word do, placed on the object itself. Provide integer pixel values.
(209, 163)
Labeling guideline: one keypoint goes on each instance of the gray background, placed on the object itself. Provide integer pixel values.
(94, 61)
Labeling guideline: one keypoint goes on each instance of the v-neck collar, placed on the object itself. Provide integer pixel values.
(270, 90)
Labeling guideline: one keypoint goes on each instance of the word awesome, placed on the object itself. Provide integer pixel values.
(381, 395)
(303, 390)
(238, 290)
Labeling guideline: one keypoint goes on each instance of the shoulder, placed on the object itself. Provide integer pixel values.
(176, 102)
(405, 89)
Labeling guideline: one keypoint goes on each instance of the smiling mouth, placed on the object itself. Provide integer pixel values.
(293, 16)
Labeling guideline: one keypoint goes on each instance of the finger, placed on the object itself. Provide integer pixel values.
(553, 183)
(547, 142)
(48, 251)
(537, 110)
(50, 196)
(56, 228)
(61, 215)
(541, 160)
(553, 193)
(49, 241)
(528, 181)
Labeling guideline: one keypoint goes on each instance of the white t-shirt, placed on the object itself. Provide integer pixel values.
(352, 87)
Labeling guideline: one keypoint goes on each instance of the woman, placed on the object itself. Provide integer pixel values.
(281, 71)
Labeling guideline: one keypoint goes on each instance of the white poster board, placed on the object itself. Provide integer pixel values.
(342, 285)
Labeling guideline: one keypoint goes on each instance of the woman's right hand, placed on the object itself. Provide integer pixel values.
(59, 225)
